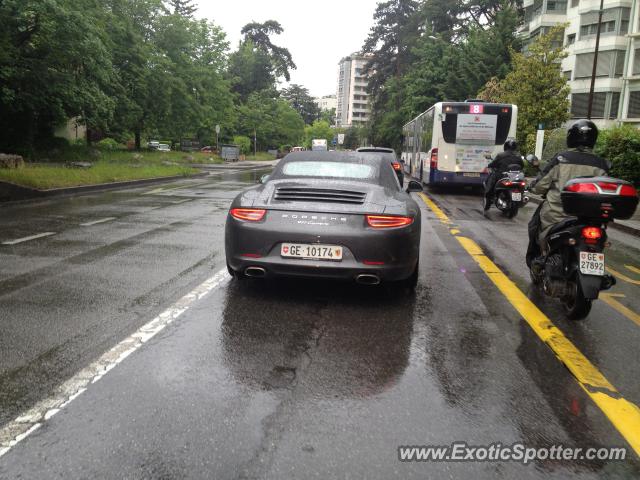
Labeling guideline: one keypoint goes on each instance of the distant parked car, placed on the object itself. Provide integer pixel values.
(389, 154)
(207, 149)
(163, 147)
(153, 145)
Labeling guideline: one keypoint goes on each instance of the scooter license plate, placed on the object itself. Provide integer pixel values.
(516, 196)
(592, 263)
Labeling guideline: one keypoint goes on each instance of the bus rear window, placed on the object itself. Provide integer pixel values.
(459, 128)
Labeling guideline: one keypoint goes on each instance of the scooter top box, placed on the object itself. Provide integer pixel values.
(599, 197)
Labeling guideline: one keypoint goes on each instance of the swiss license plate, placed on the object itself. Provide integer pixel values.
(311, 251)
(516, 196)
(592, 263)
(471, 174)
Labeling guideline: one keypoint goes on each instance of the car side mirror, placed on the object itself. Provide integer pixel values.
(414, 186)
(263, 178)
(533, 160)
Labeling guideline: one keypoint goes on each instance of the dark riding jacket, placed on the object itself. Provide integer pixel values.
(563, 167)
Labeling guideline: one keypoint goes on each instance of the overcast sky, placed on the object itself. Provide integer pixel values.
(318, 34)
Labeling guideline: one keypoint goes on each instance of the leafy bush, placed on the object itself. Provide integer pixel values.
(621, 146)
(108, 144)
(244, 143)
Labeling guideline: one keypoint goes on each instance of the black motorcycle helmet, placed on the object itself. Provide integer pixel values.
(582, 133)
(510, 145)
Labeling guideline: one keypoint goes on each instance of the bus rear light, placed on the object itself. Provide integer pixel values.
(388, 221)
(434, 158)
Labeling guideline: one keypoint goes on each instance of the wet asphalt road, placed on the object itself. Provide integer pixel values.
(288, 379)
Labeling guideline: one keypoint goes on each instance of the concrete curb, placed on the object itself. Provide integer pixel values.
(615, 225)
(11, 193)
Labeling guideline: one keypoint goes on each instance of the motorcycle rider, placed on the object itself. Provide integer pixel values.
(577, 161)
(499, 166)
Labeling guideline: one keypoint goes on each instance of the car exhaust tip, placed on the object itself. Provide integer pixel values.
(525, 199)
(255, 272)
(367, 279)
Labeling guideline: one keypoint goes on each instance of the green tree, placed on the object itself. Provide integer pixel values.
(55, 64)
(299, 98)
(536, 85)
(250, 70)
(273, 121)
(183, 7)
(328, 116)
(390, 41)
(260, 35)
(319, 129)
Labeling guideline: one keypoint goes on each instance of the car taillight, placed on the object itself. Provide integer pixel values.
(396, 166)
(388, 221)
(434, 158)
(591, 234)
(628, 191)
(581, 188)
(248, 214)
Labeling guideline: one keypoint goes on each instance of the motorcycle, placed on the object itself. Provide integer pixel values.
(509, 192)
(573, 267)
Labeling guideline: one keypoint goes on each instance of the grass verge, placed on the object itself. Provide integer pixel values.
(51, 176)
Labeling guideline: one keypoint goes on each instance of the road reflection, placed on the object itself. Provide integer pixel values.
(329, 340)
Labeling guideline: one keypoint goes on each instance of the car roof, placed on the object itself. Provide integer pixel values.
(332, 156)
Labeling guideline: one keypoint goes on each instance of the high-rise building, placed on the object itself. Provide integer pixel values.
(352, 98)
(617, 85)
(327, 102)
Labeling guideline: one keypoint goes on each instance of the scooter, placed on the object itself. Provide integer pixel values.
(573, 267)
(509, 192)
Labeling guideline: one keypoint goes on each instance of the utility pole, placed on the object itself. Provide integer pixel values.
(255, 143)
(595, 61)
(217, 138)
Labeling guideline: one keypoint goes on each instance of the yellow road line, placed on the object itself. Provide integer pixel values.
(633, 269)
(623, 277)
(623, 414)
(609, 299)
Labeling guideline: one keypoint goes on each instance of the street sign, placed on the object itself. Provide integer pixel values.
(217, 129)
(340, 138)
(334, 141)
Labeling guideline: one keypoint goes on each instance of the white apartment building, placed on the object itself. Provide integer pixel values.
(617, 85)
(327, 102)
(352, 98)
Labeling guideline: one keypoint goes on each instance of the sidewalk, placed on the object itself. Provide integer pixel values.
(631, 226)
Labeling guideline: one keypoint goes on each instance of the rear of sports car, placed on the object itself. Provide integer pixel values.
(346, 231)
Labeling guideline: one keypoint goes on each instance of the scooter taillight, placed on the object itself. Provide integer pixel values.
(591, 235)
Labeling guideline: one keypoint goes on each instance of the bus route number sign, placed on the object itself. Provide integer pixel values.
(478, 109)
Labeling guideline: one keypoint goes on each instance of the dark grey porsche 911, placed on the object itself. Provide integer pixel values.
(339, 215)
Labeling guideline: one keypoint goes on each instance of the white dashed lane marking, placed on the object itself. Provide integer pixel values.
(96, 222)
(26, 239)
(29, 421)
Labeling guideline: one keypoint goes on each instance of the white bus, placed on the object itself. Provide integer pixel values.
(449, 143)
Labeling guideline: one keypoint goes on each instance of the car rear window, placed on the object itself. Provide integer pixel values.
(345, 170)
